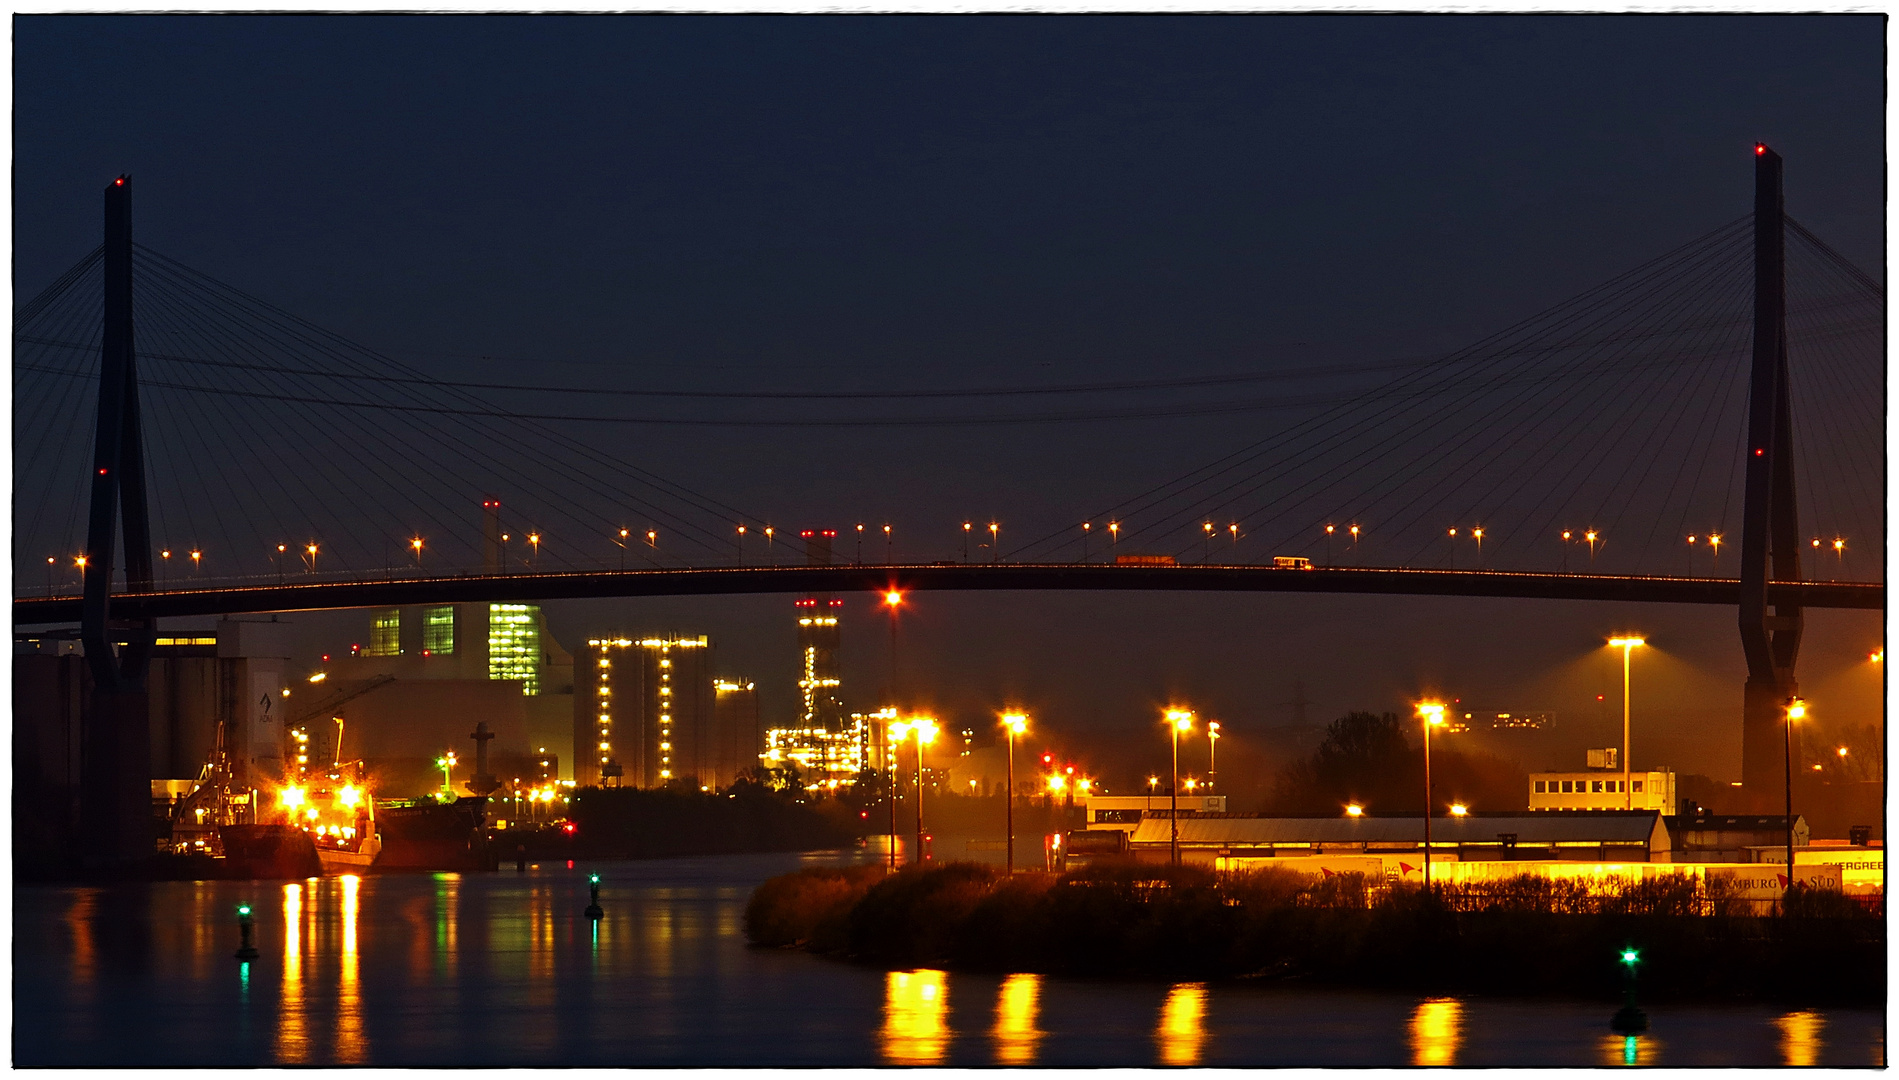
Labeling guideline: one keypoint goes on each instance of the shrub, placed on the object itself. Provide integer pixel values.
(910, 917)
(810, 907)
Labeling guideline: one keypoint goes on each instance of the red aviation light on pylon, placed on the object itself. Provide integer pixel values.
(120, 182)
(1760, 149)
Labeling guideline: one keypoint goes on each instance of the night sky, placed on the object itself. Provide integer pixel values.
(905, 203)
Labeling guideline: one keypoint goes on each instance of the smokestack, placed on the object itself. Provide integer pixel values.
(817, 546)
(491, 534)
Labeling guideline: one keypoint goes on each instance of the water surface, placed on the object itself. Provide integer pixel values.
(504, 969)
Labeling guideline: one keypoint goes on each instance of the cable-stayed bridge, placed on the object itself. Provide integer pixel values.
(1637, 442)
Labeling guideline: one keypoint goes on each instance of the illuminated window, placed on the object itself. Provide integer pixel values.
(1595, 785)
(438, 631)
(1635, 785)
(514, 645)
(385, 633)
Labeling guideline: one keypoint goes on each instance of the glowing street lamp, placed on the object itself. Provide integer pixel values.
(995, 546)
(924, 729)
(1013, 724)
(965, 541)
(534, 541)
(1213, 738)
(415, 545)
(1714, 545)
(1459, 809)
(196, 555)
(888, 556)
(1839, 553)
(1085, 527)
(1354, 810)
(1566, 535)
(1590, 538)
(310, 550)
(1114, 537)
(622, 543)
(1796, 710)
(1626, 644)
(1178, 721)
(1433, 714)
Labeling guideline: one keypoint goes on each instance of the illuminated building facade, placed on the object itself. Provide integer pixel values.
(827, 747)
(736, 738)
(641, 717)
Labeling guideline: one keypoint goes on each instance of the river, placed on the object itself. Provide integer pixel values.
(504, 969)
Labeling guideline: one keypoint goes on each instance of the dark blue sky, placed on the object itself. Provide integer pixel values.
(850, 203)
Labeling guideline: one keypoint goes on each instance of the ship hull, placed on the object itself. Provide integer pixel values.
(435, 836)
(269, 851)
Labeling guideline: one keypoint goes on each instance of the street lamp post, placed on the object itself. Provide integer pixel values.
(1213, 738)
(1796, 710)
(892, 599)
(925, 730)
(1013, 724)
(1085, 526)
(893, 734)
(1626, 644)
(1433, 714)
(1178, 720)
(995, 542)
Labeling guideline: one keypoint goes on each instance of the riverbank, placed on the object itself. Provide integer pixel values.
(1134, 920)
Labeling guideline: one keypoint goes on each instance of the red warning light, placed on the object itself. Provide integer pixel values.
(1759, 149)
(101, 472)
(326, 658)
(120, 182)
(569, 830)
(1758, 453)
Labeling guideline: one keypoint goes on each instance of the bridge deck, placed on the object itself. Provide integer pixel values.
(521, 588)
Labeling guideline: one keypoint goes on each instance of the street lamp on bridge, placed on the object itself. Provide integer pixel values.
(415, 544)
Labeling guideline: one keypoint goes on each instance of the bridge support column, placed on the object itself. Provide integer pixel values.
(115, 770)
(1770, 529)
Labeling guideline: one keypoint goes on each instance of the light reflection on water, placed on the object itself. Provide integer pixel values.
(1800, 1039)
(351, 1046)
(1619, 1050)
(1015, 1034)
(293, 1038)
(1182, 1029)
(916, 1011)
(1437, 1030)
(504, 970)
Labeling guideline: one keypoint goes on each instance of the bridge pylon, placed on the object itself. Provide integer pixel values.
(115, 808)
(1770, 529)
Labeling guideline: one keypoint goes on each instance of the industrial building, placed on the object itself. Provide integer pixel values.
(641, 711)
(827, 747)
(1598, 790)
(1235, 841)
(425, 671)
